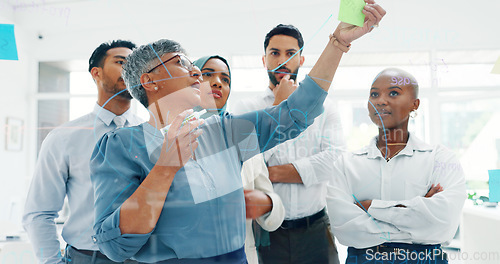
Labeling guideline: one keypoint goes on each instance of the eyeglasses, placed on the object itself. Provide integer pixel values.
(184, 61)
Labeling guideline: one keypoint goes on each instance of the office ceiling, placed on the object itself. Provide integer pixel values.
(71, 29)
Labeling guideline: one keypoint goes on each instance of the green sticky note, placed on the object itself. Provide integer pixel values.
(496, 68)
(8, 48)
(494, 183)
(350, 12)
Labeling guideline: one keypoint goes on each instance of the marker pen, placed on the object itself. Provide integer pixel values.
(191, 117)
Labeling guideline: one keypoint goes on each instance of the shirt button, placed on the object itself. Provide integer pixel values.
(94, 239)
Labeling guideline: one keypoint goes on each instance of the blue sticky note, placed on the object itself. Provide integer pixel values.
(8, 48)
(494, 185)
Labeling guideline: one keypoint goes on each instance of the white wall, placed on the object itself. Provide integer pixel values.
(18, 79)
(71, 29)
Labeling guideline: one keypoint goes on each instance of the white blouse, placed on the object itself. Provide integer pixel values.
(404, 180)
(255, 175)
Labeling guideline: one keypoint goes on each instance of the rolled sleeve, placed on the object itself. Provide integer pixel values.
(273, 219)
(255, 170)
(117, 246)
(305, 168)
(378, 210)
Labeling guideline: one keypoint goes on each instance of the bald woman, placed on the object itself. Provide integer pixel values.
(397, 199)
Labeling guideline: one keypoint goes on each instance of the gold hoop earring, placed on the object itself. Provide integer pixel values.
(413, 114)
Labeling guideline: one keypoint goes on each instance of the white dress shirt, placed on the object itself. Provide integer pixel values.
(63, 169)
(255, 176)
(311, 153)
(404, 180)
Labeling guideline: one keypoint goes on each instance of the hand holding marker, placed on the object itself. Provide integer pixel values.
(191, 117)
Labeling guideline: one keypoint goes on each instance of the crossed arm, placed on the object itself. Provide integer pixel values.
(428, 219)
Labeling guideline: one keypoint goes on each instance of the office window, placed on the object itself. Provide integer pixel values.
(468, 76)
(65, 95)
(458, 99)
(470, 128)
(83, 94)
(51, 113)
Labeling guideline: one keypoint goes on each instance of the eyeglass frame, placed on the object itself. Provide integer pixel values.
(181, 56)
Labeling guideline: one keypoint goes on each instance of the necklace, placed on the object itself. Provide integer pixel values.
(389, 158)
(396, 144)
(392, 144)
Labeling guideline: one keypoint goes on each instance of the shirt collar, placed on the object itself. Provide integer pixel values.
(413, 144)
(107, 116)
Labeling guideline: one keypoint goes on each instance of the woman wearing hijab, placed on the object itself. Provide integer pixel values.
(393, 202)
(216, 85)
(261, 202)
(178, 197)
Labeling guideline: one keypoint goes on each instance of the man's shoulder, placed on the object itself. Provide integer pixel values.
(249, 104)
(75, 126)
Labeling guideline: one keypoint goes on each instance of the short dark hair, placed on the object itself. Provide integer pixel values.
(99, 54)
(288, 30)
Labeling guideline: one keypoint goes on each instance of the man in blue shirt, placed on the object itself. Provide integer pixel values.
(62, 168)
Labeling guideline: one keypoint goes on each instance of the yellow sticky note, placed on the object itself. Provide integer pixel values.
(350, 12)
(496, 68)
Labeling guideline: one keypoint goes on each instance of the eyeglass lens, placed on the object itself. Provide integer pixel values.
(186, 63)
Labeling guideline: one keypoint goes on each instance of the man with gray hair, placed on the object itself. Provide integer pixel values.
(62, 168)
